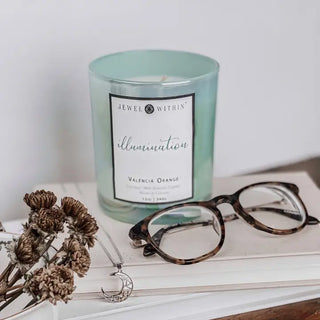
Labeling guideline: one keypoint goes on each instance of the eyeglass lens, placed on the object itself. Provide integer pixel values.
(274, 206)
(186, 232)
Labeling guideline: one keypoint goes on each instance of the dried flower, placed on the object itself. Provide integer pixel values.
(54, 283)
(79, 258)
(84, 227)
(49, 220)
(23, 251)
(40, 199)
(72, 207)
(46, 219)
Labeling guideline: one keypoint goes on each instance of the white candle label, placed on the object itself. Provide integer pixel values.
(152, 145)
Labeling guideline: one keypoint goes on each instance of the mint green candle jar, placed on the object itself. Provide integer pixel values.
(153, 114)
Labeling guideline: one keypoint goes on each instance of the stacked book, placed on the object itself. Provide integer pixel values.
(249, 258)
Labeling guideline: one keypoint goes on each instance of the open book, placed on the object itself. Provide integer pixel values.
(248, 259)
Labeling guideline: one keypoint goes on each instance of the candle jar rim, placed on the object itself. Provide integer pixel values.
(124, 66)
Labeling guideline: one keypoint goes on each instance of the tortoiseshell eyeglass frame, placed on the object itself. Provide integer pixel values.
(151, 246)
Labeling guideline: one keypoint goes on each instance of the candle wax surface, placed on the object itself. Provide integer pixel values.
(157, 78)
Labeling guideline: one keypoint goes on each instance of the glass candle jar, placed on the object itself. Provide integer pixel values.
(153, 114)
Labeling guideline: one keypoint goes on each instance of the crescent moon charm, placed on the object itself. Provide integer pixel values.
(124, 293)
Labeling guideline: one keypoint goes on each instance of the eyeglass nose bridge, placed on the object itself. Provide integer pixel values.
(223, 199)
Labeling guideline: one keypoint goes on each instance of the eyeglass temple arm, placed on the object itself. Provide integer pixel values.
(288, 213)
(148, 249)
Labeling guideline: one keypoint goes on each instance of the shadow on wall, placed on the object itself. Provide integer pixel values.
(311, 166)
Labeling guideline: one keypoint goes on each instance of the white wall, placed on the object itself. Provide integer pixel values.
(268, 111)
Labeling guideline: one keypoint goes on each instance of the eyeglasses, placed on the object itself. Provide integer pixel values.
(191, 232)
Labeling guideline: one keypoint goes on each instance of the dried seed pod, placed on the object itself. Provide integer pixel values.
(50, 220)
(79, 259)
(40, 199)
(54, 283)
(72, 207)
(84, 227)
(26, 250)
(23, 252)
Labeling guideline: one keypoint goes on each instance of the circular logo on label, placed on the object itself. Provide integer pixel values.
(149, 108)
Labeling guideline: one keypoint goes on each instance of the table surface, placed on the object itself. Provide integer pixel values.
(305, 310)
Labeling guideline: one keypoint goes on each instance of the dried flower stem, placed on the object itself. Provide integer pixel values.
(11, 294)
(15, 278)
(30, 303)
(6, 272)
(17, 286)
(14, 296)
(55, 257)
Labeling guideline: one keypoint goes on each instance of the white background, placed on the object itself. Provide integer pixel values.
(268, 108)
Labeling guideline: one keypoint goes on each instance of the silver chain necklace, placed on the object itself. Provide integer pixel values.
(127, 283)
